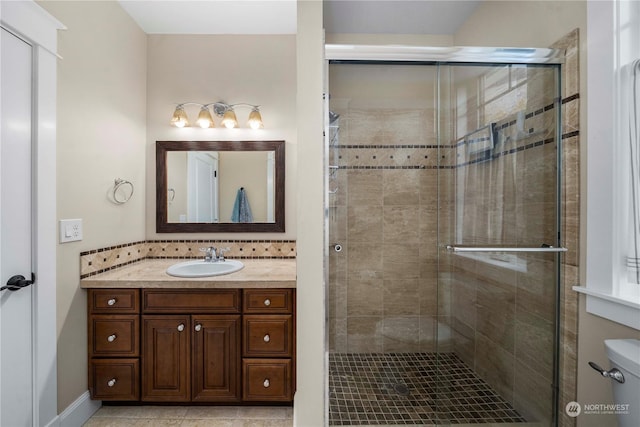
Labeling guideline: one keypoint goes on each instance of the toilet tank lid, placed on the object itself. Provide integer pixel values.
(625, 353)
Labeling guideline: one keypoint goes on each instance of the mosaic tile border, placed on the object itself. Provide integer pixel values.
(413, 156)
(105, 259)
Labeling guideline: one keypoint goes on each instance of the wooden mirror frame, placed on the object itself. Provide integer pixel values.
(162, 224)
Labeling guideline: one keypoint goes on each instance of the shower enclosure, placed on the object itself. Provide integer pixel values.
(443, 236)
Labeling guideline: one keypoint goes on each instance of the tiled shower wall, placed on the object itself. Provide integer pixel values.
(383, 293)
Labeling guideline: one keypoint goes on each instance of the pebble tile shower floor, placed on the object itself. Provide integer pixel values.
(402, 388)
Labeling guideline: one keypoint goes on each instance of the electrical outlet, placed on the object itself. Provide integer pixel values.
(70, 230)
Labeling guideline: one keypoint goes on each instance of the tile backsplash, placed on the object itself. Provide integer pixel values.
(99, 260)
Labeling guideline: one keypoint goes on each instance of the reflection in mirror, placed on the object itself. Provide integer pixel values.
(208, 186)
(205, 186)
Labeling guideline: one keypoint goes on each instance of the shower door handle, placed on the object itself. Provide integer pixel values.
(543, 248)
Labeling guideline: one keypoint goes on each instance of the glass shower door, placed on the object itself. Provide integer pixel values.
(499, 243)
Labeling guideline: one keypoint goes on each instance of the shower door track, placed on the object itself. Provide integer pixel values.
(457, 54)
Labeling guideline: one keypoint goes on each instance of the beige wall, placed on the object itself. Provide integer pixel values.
(246, 170)
(309, 405)
(256, 69)
(100, 137)
(592, 387)
(401, 39)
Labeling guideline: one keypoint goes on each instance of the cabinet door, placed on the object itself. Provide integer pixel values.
(165, 358)
(216, 355)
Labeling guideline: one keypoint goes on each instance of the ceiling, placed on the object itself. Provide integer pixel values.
(279, 16)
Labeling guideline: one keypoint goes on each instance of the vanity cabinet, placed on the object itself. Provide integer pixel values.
(192, 345)
(114, 344)
(268, 345)
(191, 356)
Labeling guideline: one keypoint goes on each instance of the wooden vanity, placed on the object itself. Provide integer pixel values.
(211, 340)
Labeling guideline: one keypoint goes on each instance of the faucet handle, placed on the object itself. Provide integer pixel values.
(221, 252)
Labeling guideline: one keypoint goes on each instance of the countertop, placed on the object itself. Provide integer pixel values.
(152, 273)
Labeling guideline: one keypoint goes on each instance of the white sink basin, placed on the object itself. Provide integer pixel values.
(204, 269)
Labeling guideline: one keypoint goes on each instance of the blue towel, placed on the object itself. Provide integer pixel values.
(241, 210)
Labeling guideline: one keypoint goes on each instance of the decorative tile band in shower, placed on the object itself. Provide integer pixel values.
(104, 259)
(451, 156)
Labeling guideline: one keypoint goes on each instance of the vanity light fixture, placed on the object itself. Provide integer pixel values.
(220, 109)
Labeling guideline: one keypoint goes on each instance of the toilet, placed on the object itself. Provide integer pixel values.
(624, 354)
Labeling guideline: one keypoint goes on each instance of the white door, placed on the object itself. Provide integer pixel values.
(202, 187)
(16, 351)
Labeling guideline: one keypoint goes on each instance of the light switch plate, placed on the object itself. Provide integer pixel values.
(70, 230)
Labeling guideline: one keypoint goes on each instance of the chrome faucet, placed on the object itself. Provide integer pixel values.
(209, 254)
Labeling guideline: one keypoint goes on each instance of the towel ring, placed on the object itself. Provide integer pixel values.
(118, 183)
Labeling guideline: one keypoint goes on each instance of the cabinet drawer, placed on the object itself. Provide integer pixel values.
(268, 301)
(267, 380)
(114, 336)
(114, 379)
(268, 336)
(185, 301)
(114, 301)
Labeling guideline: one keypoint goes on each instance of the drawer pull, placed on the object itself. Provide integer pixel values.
(112, 301)
(267, 302)
(266, 383)
(181, 327)
(111, 382)
(267, 338)
(198, 327)
(111, 338)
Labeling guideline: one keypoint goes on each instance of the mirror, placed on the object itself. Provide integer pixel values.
(219, 186)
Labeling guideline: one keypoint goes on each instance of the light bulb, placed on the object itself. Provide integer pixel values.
(179, 118)
(255, 119)
(204, 118)
(229, 119)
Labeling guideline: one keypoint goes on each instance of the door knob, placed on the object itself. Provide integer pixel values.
(112, 301)
(181, 327)
(111, 338)
(198, 327)
(18, 282)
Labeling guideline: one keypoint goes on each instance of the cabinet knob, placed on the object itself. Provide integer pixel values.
(181, 327)
(112, 301)
(111, 382)
(198, 327)
(111, 338)
(267, 338)
(266, 383)
(267, 302)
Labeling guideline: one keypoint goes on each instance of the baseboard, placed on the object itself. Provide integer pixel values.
(76, 414)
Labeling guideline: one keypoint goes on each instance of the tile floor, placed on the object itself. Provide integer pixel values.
(191, 416)
(411, 388)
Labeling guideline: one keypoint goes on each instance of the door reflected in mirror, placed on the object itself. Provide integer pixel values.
(211, 186)
(221, 186)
